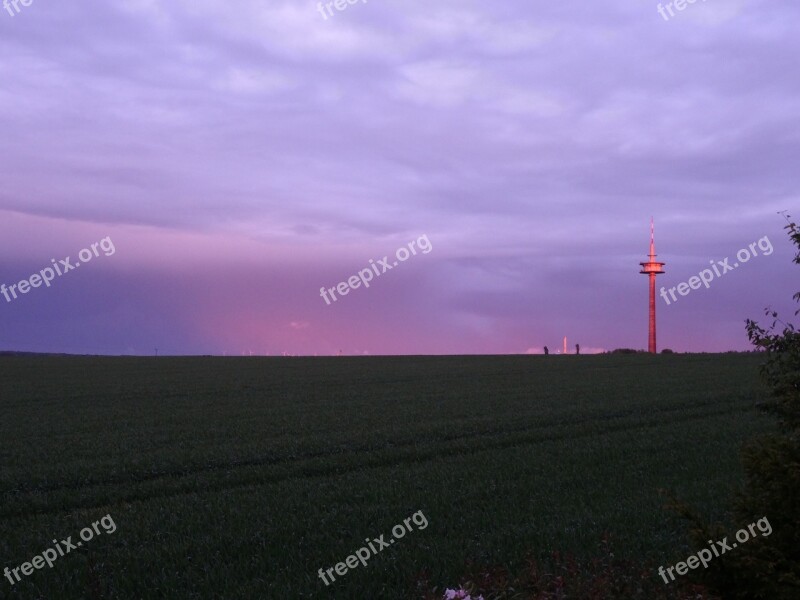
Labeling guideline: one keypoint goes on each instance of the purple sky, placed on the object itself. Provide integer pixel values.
(241, 155)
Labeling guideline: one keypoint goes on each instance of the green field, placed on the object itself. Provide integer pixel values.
(241, 477)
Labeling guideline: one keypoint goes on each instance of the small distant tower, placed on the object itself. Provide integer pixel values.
(565, 344)
(651, 268)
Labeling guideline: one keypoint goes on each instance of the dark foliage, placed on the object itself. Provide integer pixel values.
(562, 577)
(765, 567)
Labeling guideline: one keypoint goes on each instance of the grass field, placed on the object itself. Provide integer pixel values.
(241, 477)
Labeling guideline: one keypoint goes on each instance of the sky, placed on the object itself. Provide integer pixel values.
(240, 156)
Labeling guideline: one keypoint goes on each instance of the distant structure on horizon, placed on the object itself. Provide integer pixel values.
(652, 268)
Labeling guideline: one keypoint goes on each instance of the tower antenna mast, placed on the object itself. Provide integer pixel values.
(651, 268)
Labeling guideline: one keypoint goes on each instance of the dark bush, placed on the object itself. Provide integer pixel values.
(765, 567)
(562, 577)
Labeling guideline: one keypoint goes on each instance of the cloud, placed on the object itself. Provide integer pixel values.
(531, 142)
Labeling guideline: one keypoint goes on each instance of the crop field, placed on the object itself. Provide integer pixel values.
(242, 477)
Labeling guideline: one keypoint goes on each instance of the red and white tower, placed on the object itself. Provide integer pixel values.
(652, 268)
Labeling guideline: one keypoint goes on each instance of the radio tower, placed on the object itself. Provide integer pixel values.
(652, 268)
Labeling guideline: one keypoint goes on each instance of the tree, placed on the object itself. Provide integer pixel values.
(766, 567)
(781, 371)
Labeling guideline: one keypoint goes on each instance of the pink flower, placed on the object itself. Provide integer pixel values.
(459, 594)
